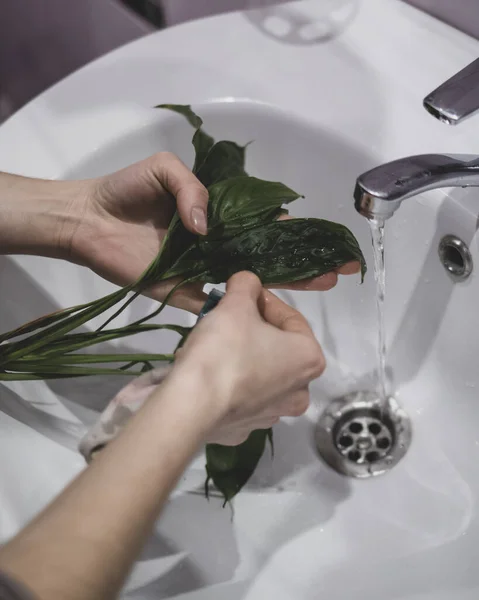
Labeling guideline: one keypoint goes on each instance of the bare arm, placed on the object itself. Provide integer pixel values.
(93, 222)
(36, 215)
(244, 366)
(83, 545)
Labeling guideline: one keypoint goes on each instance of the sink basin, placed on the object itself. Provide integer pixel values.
(298, 527)
(326, 111)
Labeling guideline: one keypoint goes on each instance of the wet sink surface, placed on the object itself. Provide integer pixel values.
(300, 531)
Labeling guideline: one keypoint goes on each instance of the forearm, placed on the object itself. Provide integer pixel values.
(37, 216)
(83, 545)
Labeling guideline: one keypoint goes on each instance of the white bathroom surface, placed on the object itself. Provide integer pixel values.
(323, 103)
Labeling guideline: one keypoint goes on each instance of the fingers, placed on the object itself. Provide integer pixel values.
(313, 284)
(233, 436)
(349, 268)
(324, 282)
(189, 297)
(191, 195)
(244, 285)
(294, 406)
(284, 317)
(306, 351)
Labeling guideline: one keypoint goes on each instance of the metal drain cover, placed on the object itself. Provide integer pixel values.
(359, 437)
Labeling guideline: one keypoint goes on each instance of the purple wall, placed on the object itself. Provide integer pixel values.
(463, 14)
(41, 41)
(178, 11)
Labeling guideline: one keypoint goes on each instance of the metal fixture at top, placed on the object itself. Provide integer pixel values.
(380, 191)
(457, 98)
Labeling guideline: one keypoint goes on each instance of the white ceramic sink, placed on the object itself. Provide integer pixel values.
(300, 531)
(298, 525)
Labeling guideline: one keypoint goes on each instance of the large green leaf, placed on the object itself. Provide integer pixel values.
(278, 252)
(243, 234)
(184, 109)
(242, 202)
(177, 241)
(202, 142)
(230, 467)
(224, 160)
(285, 251)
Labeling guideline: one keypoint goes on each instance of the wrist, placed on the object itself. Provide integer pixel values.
(39, 216)
(196, 397)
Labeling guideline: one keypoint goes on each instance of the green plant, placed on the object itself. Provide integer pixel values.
(243, 234)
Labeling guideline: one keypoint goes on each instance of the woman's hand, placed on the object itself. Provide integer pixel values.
(256, 356)
(126, 216)
(246, 364)
(115, 224)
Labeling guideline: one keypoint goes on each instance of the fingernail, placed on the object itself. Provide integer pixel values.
(198, 216)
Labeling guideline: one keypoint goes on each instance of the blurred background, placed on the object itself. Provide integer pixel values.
(42, 41)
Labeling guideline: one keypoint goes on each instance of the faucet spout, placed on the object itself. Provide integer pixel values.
(457, 98)
(380, 191)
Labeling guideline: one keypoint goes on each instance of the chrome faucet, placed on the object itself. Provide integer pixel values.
(380, 191)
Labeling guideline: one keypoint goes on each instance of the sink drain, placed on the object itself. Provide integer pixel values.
(359, 438)
(455, 257)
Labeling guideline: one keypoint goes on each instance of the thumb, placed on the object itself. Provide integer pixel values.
(244, 287)
(192, 201)
(190, 194)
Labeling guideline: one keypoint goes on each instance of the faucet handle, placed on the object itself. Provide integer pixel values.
(457, 98)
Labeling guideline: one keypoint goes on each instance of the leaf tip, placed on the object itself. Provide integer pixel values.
(206, 488)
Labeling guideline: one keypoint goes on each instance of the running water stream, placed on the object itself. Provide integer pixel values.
(377, 234)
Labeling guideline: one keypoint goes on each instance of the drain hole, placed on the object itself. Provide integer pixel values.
(455, 257)
(355, 427)
(358, 439)
(452, 257)
(364, 443)
(345, 441)
(382, 443)
(354, 455)
(372, 457)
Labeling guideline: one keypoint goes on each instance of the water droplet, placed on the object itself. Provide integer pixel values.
(470, 384)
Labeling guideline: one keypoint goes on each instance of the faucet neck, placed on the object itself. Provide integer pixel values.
(380, 191)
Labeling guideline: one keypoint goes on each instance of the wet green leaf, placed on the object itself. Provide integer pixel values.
(285, 251)
(230, 467)
(202, 142)
(278, 252)
(224, 160)
(243, 202)
(243, 234)
(271, 441)
(184, 109)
